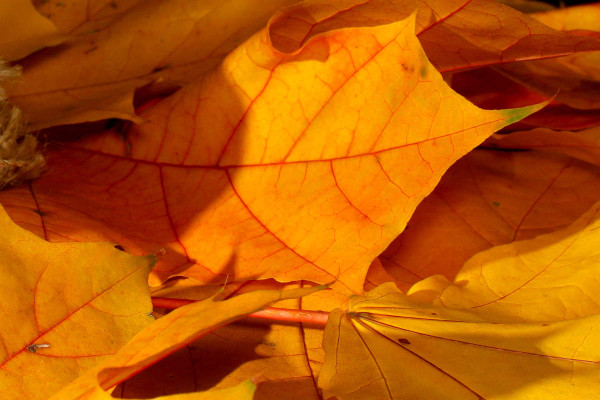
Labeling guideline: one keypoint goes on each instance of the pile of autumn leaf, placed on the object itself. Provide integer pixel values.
(245, 153)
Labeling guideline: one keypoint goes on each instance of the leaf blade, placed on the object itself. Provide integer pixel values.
(59, 312)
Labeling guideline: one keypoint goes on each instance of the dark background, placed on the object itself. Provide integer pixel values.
(569, 3)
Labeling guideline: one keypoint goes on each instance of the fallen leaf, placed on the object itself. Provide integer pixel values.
(585, 16)
(106, 67)
(23, 30)
(520, 321)
(489, 89)
(272, 166)
(528, 6)
(575, 85)
(65, 307)
(282, 359)
(584, 145)
(240, 174)
(551, 277)
(167, 335)
(190, 289)
(575, 77)
(94, 78)
(456, 34)
(82, 17)
(486, 199)
(376, 275)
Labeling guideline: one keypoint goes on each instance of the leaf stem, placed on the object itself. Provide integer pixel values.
(317, 318)
(283, 314)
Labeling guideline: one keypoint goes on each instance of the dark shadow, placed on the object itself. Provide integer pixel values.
(210, 359)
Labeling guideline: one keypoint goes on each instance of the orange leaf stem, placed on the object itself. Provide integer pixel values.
(282, 314)
(318, 318)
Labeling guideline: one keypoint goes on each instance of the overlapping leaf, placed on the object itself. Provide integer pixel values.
(65, 307)
(455, 34)
(83, 17)
(300, 158)
(528, 6)
(167, 335)
(576, 76)
(489, 89)
(95, 77)
(283, 359)
(520, 321)
(301, 165)
(584, 145)
(490, 198)
(551, 277)
(23, 30)
(104, 68)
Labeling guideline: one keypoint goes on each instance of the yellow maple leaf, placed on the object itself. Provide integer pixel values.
(521, 321)
(61, 302)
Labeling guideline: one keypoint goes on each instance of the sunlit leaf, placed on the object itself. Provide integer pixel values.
(167, 335)
(455, 34)
(520, 321)
(293, 158)
(282, 359)
(252, 172)
(581, 17)
(490, 198)
(104, 68)
(65, 308)
(95, 77)
(551, 277)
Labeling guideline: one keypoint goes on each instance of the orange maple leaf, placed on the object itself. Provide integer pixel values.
(267, 167)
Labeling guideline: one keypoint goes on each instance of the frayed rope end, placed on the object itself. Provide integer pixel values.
(20, 159)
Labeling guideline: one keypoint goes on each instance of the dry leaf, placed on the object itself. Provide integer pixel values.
(489, 89)
(283, 359)
(83, 17)
(167, 335)
(23, 30)
(300, 156)
(584, 144)
(528, 6)
(241, 173)
(65, 307)
(106, 67)
(95, 77)
(576, 77)
(243, 391)
(520, 321)
(489, 198)
(455, 34)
